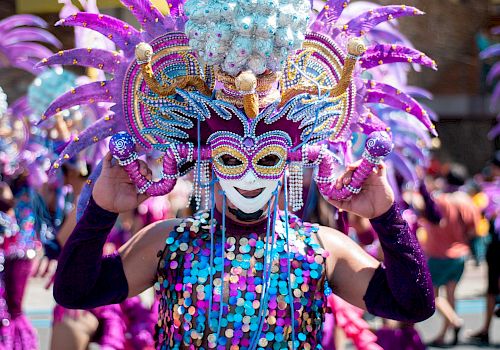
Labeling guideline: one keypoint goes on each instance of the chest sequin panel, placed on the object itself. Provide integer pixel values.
(184, 289)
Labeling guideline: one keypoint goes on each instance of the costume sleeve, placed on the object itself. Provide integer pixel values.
(431, 211)
(84, 278)
(401, 288)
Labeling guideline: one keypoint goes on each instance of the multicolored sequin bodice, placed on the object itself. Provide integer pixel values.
(184, 287)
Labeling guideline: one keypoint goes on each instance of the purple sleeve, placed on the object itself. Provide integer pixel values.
(84, 278)
(401, 288)
(431, 211)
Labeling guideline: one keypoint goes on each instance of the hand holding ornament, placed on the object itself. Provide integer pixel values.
(114, 191)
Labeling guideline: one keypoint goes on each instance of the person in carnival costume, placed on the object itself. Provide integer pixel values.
(241, 92)
(21, 47)
(128, 325)
(491, 190)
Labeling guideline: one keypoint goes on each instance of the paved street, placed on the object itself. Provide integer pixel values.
(39, 304)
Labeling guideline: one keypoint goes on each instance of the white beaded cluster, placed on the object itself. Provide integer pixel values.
(296, 185)
(3, 103)
(352, 189)
(372, 159)
(144, 188)
(246, 34)
(205, 182)
(201, 181)
(133, 157)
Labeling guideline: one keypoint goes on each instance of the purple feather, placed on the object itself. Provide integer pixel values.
(492, 51)
(495, 30)
(432, 115)
(391, 178)
(24, 50)
(416, 133)
(494, 132)
(370, 123)
(21, 20)
(418, 92)
(20, 108)
(96, 58)
(98, 131)
(85, 94)
(147, 15)
(389, 35)
(410, 148)
(27, 65)
(384, 53)
(495, 97)
(390, 96)
(332, 11)
(30, 34)
(176, 8)
(121, 33)
(493, 73)
(404, 168)
(363, 23)
(84, 198)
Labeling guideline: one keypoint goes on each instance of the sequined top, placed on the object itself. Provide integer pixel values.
(184, 289)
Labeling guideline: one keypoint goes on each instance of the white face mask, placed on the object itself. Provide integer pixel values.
(249, 182)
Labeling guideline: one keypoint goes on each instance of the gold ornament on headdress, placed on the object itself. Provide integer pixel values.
(144, 54)
(246, 84)
(355, 48)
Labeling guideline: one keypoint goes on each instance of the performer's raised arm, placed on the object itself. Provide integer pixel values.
(400, 288)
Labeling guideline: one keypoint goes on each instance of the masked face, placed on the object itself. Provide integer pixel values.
(249, 170)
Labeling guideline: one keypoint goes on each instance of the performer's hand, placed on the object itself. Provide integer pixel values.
(113, 189)
(44, 268)
(375, 198)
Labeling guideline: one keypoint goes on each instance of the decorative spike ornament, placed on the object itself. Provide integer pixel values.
(246, 84)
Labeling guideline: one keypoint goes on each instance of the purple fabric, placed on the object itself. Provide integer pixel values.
(431, 211)
(17, 272)
(367, 237)
(20, 334)
(401, 288)
(23, 334)
(84, 278)
(140, 322)
(405, 338)
(112, 326)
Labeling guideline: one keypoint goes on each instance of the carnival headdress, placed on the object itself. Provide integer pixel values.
(241, 73)
(23, 44)
(251, 87)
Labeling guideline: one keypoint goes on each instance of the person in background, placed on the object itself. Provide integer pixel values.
(449, 220)
(492, 189)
